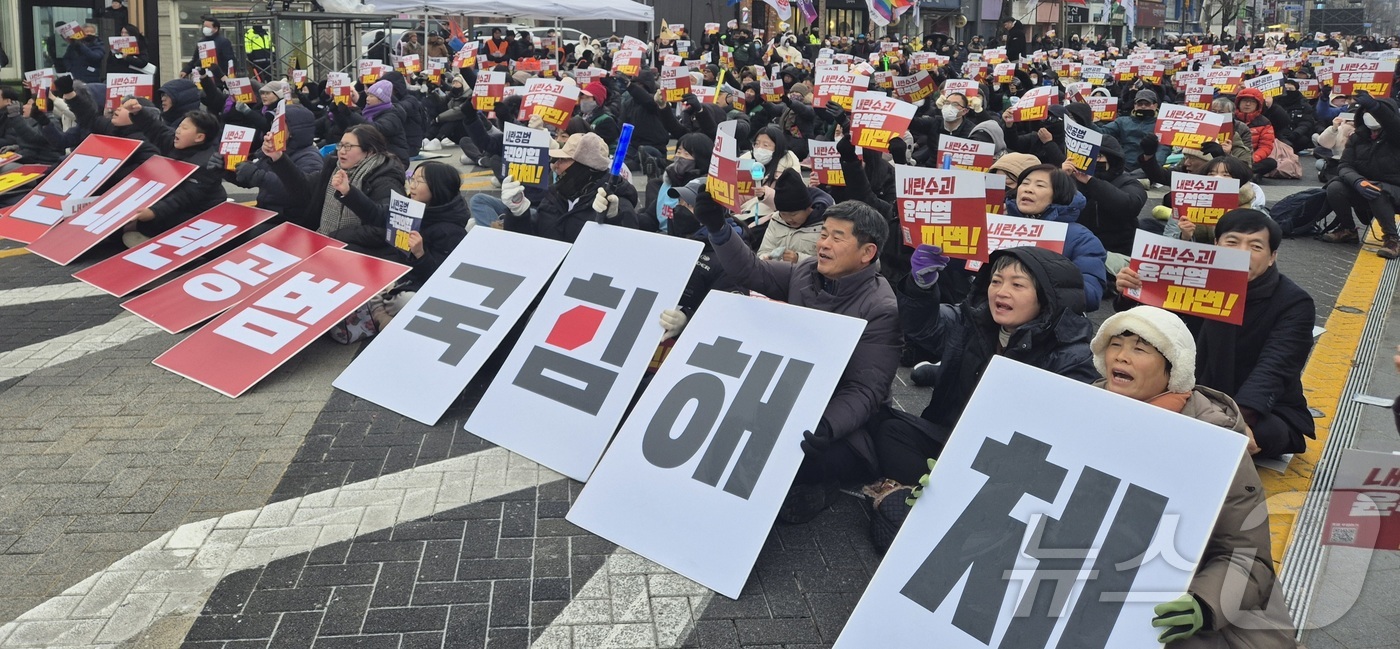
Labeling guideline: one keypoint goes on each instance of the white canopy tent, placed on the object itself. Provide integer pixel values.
(553, 10)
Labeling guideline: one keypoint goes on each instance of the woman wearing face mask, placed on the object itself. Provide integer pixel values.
(1369, 176)
(593, 107)
(1251, 196)
(1112, 202)
(1045, 192)
(692, 160)
(582, 192)
(363, 162)
(770, 154)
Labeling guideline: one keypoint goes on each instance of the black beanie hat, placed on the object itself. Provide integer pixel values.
(790, 193)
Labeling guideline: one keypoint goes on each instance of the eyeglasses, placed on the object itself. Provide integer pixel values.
(414, 181)
(347, 145)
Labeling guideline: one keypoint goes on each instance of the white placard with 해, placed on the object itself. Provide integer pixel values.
(560, 395)
(698, 471)
(1045, 528)
(448, 329)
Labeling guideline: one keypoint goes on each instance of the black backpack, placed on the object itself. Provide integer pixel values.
(1299, 214)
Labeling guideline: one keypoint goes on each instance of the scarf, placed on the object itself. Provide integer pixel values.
(333, 216)
(1215, 345)
(370, 112)
(575, 181)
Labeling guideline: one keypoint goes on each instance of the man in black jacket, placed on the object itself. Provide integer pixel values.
(1015, 39)
(1113, 200)
(223, 50)
(195, 141)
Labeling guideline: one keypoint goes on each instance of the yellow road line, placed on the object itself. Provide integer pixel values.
(477, 174)
(1323, 378)
(13, 252)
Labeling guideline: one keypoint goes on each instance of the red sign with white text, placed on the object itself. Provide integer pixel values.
(1197, 279)
(149, 261)
(1373, 76)
(1189, 128)
(246, 343)
(552, 100)
(840, 87)
(210, 289)
(78, 176)
(877, 119)
(150, 182)
(943, 208)
(1204, 199)
(966, 154)
(490, 88)
(826, 163)
(913, 88)
(1365, 499)
(1014, 232)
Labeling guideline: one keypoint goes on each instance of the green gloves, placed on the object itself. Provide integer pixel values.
(923, 482)
(1182, 618)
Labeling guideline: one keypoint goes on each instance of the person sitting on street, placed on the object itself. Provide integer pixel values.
(195, 141)
(796, 225)
(1368, 179)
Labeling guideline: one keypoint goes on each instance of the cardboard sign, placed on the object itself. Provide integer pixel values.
(1047, 524)
(465, 57)
(1269, 84)
(1192, 278)
(405, 218)
(141, 189)
(675, 81)
(877, 119)
(368, 70)
(552, 100)
(771, 90)
(826, 163)
(68, 30)
(436, 66)
(210, 289)
(724, 175)
(298, 78)
(121, 86)
(1004, 72)
(526, 155)
(883, 80)
(962, 153)
(1034, 106)
(40, 83)
(628, 63)
(235, 145)
(1016, 232)
(914, 88)
(840, 87)
(1200, 97)
(124, 45)
(585, 76)
(1226, 80)
(1189, 128)
(80, 174)
(1105, 108)
(1204, 199)
(169, 252)
(1095, 75)
(1082, 146)
(490, 88)
(1151, 72)
(1353, 75)
(449, 328)
(565, 386)
(208, 55)
(251, 340)
(943, 207)
(241, 89)
(1309, 88)
(21, 176)
(277, 133)
(964, 87)
(339, 85)
(755, 390)
(1365, 496)
(410, 64)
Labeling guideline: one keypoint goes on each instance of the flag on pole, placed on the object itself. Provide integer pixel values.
(884, 12)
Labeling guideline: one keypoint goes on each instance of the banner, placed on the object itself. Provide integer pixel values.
(235, 145)
(1191, 278)
(840, 87)
(561, 393)
(465, 57)
(121, 86)
(1200, 97)
(723, 178)
(1016, 232)
(914, 88)
(78, 176)
(1204, 199)
(755, 389)
(1365, 495)
(552, 100)
(169, 252)
(1189, 128)
(962, 153)
(254, 338)
(675, 81)
(1050, 529)
(490, 88)
(1353, 75)
(526, 155)
(1082, 146)
(826, 163)
(124, 45)
(944, 208)
(452, 324)
(782, 7)
(1226, 80)
(410, 64)
(877, 119)
(405, 218)
(241, 89)
(210, 289)
(277, 132)
(1105, 108)
(147, 184)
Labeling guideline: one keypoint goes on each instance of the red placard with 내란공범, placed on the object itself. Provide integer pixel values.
(150, 182)
(1204, 199)
(1190, 278)
(78, 176)
(877, 119)
(943, 207)
(966, 154)
(826, 163)
(210, 289)
(170, 251)
(1189, 128)
(251, 340)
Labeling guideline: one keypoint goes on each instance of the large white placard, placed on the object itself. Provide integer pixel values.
(560, 395)
(700, 468)
(419, 364)
(1030, 495)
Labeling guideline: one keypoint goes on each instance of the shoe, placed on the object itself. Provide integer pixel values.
(467, 161)
(1390, 247)
(1340, 236)
(1305, 152)
(924, 374)
(134, 238)
(805, 501)
(444, 143)
(431, 145)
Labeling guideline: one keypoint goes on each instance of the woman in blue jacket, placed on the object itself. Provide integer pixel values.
(1047, 193)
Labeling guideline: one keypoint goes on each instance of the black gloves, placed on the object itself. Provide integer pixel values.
(710, 214)
(834, 113)
(846, 148)
(248, 175)
(1149, 145)
(816, 442)
(692, 103)
(62, 85)
(899, 150)
(1213, 149)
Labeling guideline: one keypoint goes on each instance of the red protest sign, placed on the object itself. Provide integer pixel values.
(1191, 278)
(490, 88)
(465, 57)
(1200, 97)
(78, 176)
(1365, 496)
(1004, 72)
(147, 262)
(771, 89)
(249, 341)
(943, 208)
(840, 87)
(298, 78)
(124, 45)
(151, 181)
(121, 86)
(20, 176)
(241, 89)
(1226, 80)
(368, 70)
(724, 178)
(964, 87)
(628, 62)
(675, 81)
(1017, 232)
(1353, 75)
(966, 154)
(916, 87)
(1034, 106)
(826, 163)
(1151, 72)
(1189, 128)
(552, 100)
(877, 119)
(235, 145)
(1204, 199)
(1105, 108)
(208, 55)
(210, 289)
(339, 86)
(277, 133)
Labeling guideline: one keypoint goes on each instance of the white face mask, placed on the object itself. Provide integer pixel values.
(1370, 121)
(762, 156)
(208, 31)
(951, 113)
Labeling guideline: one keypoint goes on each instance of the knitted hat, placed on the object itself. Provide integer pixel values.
(278, 87)
(521, 76)
(383, 90)
(1195, 153)
(586, 149)
(1161, 329)
(597, 91)
(800, 89)
(1013, 164)
(790, 193)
